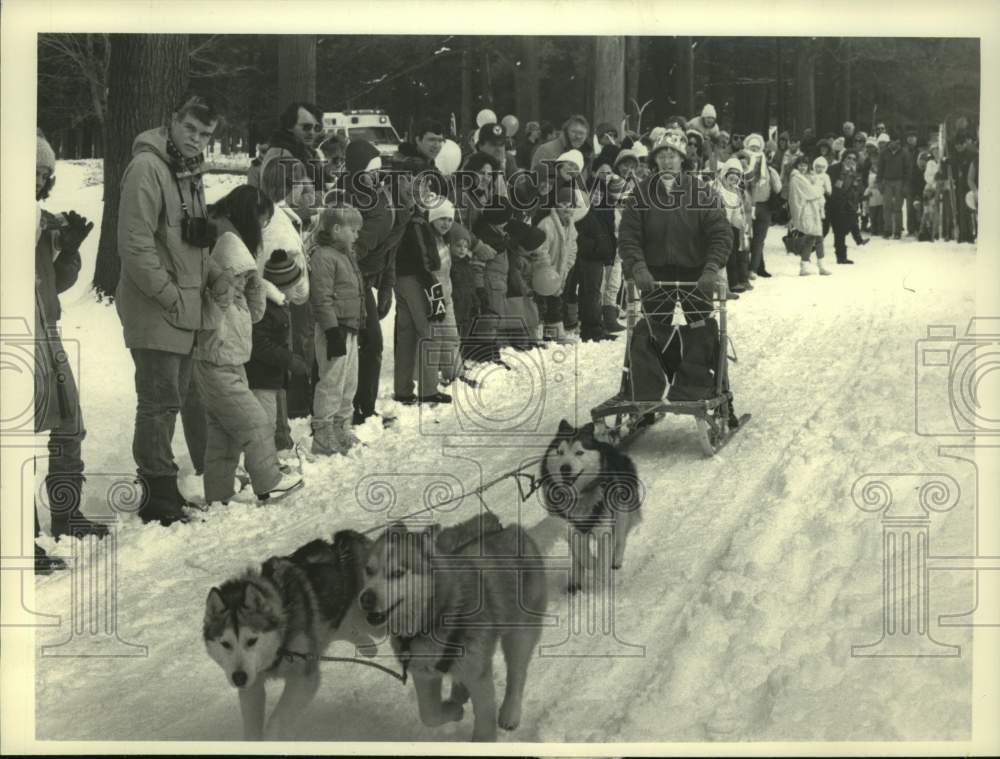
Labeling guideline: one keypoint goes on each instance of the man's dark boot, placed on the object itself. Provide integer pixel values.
(45, 564)
(610, 318)
(65, 492)
(161, 502)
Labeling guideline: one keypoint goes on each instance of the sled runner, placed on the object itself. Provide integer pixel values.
(672, 368)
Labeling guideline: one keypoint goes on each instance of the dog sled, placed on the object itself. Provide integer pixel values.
(672, 368)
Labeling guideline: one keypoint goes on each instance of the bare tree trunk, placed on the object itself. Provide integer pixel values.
(685, 75)
(633, 65)
(805, 85)
(527, 81)
(465, 116)
(845, 78)
(148, 75)
(780, 74)
(296, 68)
(609, 80)
(487, 70)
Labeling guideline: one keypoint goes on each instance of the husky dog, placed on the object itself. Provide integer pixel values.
(445, 610)
(594, 487)
(274, 622)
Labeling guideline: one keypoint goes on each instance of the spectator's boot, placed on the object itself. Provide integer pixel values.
(804, 269)
(610, 317)
(563, 337)
(162, 503)
(550, 332)
(822, 268)
(45, 564)
(572, 320)
(288, 483)
(65, 493)
(324, 439)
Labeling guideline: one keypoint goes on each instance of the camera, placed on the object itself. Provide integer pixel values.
(196, 231)
(958, 380)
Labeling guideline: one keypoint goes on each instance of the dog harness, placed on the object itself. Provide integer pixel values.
(452, 650)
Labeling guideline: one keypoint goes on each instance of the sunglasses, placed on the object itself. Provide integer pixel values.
(310, 127)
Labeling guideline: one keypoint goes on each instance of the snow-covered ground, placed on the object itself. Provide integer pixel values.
(747, 584)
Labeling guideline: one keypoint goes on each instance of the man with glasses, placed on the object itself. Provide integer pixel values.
(292, 157)
(164, 241)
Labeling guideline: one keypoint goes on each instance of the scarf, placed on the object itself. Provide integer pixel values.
(182, 166)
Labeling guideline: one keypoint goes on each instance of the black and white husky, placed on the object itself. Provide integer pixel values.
(275, 621)
(595, 488)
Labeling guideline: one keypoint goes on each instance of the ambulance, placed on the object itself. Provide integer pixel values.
(371, 125)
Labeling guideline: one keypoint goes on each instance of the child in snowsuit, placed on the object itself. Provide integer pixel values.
(272, 358)
(236, 423)
(559, 252)
(466, 278)
(805, 202)
(821, 179)
(734, 205)
(337, 298)
(490, 228)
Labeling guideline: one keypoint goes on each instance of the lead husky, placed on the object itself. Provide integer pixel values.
(447, 599)
(294, 604)
(594, 487)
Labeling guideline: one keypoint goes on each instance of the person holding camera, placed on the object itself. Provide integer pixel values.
(164, 239)
(57, 407)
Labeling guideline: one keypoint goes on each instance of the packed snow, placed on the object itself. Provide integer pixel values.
(743, 591)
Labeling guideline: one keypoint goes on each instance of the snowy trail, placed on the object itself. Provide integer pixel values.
(748, 582)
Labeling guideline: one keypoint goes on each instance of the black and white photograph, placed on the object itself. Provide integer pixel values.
(612, 378)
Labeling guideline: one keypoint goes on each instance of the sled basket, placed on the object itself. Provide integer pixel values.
(672, 368)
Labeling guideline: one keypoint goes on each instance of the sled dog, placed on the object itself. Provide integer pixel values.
(447, 597)
(594, 487)
(295, 605)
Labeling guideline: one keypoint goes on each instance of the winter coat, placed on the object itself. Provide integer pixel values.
(286, 162)
(463, 277)
(336, 292)
(284, 233)
(684, 227)
(788, 160)
(805, 203)
(159, 294)
(230, 342)
(56, 270)
(497, 268)
(894, 166)
(734, 207)
(560, 247)
(595, 236)
(761, 190)
(371, 249)
(418, 255)
(844, 195)
(930, 171)
(58, 400)
(271, 356)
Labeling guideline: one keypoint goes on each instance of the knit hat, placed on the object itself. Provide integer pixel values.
(282, 270)
(883, 138)
(820, 164)
(442, 209)
(640, 150)
(657, 134)
(708, 111)
(572, 156)
(360, 156)
(731, 165)
(871, 142)
(616, 186)
(458, 232)
(528, 237)
(848, 124)
(696, 134)
(753, 141)
(672, 140)
(623, 154)
(44, 155)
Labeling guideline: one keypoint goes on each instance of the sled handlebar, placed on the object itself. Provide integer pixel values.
(720, 287)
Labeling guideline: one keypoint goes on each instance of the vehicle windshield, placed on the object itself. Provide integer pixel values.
(375, 134)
